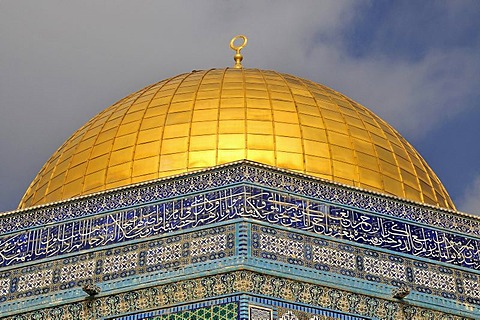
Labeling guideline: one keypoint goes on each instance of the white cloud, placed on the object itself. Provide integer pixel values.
(63, 62)
(413, 96)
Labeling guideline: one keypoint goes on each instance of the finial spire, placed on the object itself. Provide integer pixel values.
(238, 56)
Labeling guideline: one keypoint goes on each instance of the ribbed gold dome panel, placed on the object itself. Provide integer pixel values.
(206, 118)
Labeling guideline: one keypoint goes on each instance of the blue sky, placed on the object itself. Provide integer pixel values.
(414, 63)
(404, 31)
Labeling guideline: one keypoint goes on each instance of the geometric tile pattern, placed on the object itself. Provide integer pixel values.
(281, 246)
(222, 307)
(119, 263)
(207, 245)
(441, 281)
(384, 268)
(219, 312)
(244, 282)
(164, 254)
(334, 258)
(75, 271)
(4, 286)
(472, 288)
(35, 280)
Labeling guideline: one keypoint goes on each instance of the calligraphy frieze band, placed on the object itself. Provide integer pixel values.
(227, 175)
(239, 202)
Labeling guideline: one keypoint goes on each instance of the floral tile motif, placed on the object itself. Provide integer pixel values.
(168, 295)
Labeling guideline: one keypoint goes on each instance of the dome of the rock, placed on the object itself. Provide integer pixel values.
(206, 118)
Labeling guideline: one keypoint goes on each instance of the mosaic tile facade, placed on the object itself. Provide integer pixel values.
(282, 247)
(79, 270)
(173, 237)
(159, 255)
(218, 312)
(356, 262)
(246, 282)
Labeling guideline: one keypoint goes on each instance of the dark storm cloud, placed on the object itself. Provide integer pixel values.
(63, 62)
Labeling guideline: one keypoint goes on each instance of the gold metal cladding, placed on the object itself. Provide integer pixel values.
(238, 56)
(206, 118)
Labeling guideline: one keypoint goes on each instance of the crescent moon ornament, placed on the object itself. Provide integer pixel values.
(238, 56)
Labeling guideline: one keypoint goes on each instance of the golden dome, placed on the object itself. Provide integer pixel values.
(205, 118)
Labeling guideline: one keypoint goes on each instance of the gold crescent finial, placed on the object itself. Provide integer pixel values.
(238, 56)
